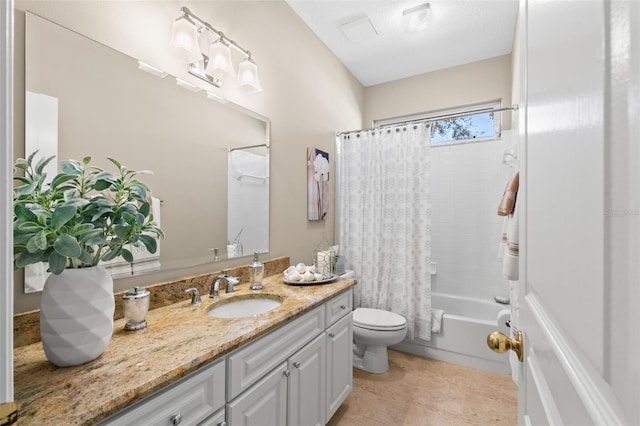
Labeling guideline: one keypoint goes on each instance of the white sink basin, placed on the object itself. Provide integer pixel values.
(244, 306)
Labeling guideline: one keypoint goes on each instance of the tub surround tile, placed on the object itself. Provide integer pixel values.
(26, 326)
(179, 339)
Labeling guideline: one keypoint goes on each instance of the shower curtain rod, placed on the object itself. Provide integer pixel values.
(434, 118)
(247, 147)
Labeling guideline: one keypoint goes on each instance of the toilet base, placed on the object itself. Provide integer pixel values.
(374, 359)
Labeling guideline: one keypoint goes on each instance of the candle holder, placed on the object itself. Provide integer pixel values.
(324, 259)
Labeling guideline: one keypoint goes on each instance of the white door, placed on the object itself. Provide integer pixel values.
(7, 406)
(580, 304)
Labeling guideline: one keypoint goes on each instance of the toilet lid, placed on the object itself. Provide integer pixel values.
(377, 319)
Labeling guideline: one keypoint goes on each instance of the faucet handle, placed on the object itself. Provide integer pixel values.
(195, 297)
(231, 281)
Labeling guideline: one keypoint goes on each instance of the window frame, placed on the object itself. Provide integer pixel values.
(450, 113)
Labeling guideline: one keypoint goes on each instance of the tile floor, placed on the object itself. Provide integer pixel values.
(422, 391)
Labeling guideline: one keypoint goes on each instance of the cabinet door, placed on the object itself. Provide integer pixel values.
(264, 404)
(339, 363)
(307, 396)
(339, 306)
(216, 420)
(251, 362)
(188, 402)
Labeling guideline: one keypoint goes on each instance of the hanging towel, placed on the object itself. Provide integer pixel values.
(508, 201)
(503, 238)
(510, 266)
(436, 320)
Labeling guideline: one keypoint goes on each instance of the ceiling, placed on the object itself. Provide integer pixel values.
(458, 32)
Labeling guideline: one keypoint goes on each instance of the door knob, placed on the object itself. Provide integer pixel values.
(499, 342)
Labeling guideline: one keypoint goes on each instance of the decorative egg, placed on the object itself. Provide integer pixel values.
(301, 268)
(294, 276)
(317, 276)
(308, 276)
(311, 268)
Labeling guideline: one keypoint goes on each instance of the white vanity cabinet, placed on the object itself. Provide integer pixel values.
(218, 419)
(318, 372)
(293, 393)
(247, 364)
(339, 344)
(187, 402)
(265, 403)
(307, 382)
(296, 375)
(319, 375)
(339, 363)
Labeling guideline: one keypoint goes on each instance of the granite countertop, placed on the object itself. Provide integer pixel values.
(179, 339)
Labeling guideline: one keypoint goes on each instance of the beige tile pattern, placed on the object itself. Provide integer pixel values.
(179, 339)
(426, 392)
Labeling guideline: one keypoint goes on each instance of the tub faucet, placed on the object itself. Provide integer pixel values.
(214, 290)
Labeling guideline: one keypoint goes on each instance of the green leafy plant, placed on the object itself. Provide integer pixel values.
(85, 215)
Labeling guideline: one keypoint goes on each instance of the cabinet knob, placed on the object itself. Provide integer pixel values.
(332, 335)
(176, 419)
(286, 373)
(296, 364)
(343, 307)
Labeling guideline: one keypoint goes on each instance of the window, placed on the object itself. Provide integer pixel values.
(466, 124)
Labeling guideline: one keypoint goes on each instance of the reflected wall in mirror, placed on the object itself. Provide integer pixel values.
(213, 191)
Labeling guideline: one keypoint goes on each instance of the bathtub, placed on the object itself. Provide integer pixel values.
(463, 337)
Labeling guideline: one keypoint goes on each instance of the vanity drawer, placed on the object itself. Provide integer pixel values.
(192, 399)
(250, 363)
(339, 306)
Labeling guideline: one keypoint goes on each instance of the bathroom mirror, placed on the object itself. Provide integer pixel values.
(210, 159)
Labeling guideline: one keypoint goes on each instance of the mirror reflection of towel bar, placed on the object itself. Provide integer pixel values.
(266, 145)
(262, 178)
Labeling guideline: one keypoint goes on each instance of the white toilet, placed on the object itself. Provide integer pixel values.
(373, 331)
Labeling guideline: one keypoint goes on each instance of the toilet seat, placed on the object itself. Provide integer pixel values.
(377, 319)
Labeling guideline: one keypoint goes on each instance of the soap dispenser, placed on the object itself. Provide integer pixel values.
(256, 273)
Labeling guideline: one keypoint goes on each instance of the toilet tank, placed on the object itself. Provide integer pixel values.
(348, 273)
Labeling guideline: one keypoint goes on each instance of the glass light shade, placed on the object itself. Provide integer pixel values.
(184, 40)
(248, 77)
(220, 65)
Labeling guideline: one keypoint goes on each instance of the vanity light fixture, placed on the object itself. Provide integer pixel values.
(416, 18)
(220, 65)
(216, 65)
(184, 39)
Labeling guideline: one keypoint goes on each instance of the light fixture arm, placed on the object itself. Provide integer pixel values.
(186, 12)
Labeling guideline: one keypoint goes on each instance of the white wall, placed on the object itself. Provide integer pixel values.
(467, 181)
(468, 84)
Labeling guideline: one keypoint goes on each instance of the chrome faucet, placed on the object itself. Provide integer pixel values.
(195, 296)
(214, 290)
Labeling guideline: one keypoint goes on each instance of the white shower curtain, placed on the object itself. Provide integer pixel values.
(384, 220)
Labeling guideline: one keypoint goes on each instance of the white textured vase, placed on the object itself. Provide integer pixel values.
(76, 315)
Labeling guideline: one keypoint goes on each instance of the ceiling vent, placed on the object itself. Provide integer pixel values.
(359, 29)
